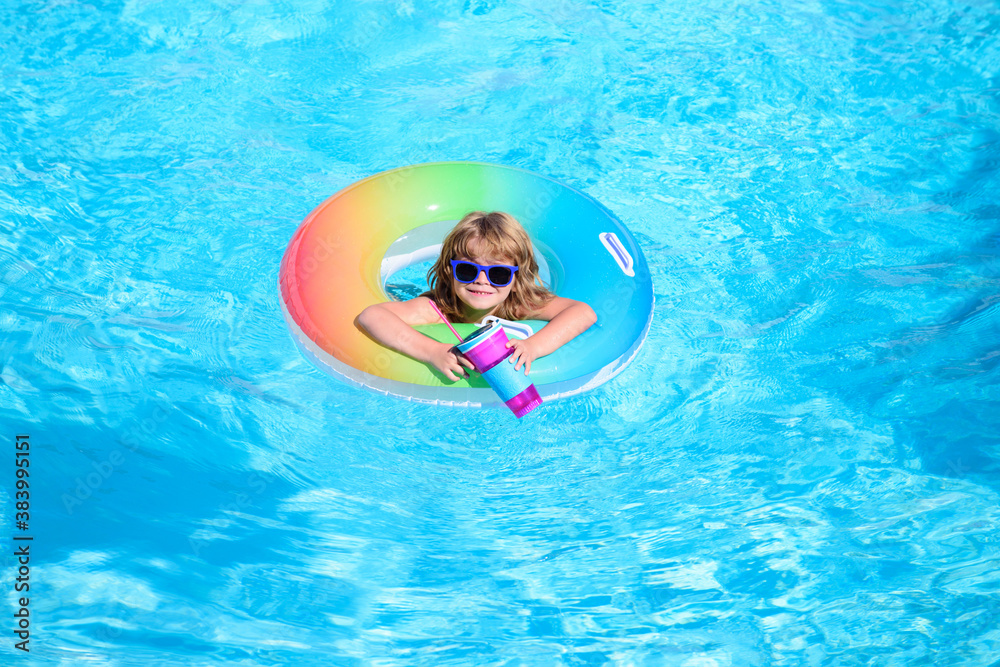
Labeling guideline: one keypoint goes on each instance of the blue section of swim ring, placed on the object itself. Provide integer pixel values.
(585, 270)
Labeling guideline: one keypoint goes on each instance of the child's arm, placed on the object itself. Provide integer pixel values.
(391, 324)
(567, 320)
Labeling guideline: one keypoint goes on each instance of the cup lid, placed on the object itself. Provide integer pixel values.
(478, 332)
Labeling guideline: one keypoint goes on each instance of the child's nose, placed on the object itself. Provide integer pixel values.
(481, 278)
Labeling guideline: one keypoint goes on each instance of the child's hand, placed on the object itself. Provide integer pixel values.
(525, 351)
(451, 364)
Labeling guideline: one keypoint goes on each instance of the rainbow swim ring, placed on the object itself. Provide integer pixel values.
(343, 253)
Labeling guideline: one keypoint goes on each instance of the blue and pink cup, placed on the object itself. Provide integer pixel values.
(486, 348)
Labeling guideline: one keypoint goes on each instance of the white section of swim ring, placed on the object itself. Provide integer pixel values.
(470, 397)
(621, 256)
(520, 330)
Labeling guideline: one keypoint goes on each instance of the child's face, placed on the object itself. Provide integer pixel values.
(480, 297)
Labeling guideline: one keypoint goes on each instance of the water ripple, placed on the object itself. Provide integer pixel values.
(799, 467)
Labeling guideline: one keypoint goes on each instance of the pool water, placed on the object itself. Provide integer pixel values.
(799, 468)
(409, 282)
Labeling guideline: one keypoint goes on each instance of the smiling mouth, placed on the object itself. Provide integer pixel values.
(480, 292)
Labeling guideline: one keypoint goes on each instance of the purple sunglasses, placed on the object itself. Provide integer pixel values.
(499, 275)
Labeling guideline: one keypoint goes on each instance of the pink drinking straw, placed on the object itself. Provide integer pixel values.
(445, 320)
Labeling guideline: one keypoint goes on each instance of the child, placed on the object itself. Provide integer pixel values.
(486, 267)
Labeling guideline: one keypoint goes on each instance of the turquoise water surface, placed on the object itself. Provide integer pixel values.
(799, 468)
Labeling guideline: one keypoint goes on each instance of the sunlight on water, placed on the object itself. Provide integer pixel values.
(799, 467)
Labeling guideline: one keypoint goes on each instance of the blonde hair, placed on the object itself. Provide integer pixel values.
(495, 234)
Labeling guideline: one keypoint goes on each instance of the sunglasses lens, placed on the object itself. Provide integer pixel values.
(466, 272)
(499, 275)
